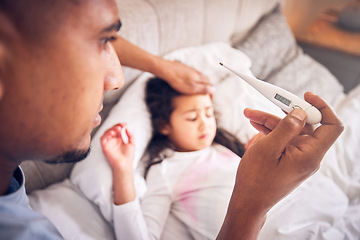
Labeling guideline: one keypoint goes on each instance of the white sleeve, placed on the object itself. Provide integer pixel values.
(129, 222)
(146, 222)
(157, 201)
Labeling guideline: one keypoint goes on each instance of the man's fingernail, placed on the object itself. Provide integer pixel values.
(299, 114)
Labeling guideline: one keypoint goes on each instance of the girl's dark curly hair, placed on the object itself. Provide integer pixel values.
(158, 98)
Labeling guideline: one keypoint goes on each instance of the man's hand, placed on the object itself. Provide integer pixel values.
(184, 79)
(290, 152)
(254, 140)
(181, 77)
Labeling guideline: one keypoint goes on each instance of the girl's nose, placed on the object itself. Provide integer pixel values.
(203, 121)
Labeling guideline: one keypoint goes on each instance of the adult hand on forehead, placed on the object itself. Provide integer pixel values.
(290, 152)
(181, 77)
(185, 79)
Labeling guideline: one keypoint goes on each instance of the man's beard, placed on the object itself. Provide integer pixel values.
(70, 157)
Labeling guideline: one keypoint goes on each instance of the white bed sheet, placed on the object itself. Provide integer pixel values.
(327, 206)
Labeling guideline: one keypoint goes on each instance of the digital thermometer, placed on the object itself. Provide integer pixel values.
(287, 101)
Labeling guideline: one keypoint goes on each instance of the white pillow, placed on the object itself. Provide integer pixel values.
(93, 175)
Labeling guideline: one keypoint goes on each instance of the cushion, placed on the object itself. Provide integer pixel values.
(277, 59)
(248, 15)
(269, 45)
(304, 74)
(39, 175)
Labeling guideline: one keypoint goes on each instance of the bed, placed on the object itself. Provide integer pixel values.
(326, 206)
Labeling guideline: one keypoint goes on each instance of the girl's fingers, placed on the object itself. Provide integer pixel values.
(130, 136)
(117, 131)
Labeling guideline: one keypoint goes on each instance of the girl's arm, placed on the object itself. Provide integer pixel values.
(157, 202)
(127, 216)
(131, 220)
(120, 157)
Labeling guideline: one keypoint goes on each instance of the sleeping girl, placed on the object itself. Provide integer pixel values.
(190, 171)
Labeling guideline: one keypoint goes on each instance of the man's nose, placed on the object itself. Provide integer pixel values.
(114, 77)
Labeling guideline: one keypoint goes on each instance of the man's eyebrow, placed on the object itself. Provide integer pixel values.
(113, 27)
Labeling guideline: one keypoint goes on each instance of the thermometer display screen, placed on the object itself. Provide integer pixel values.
(282, 99)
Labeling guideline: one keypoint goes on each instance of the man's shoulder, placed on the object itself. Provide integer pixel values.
(21, 222)
(18, 220)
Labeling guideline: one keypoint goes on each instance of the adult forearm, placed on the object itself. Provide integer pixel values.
(241, 221)
(133, 56)
(181, 77)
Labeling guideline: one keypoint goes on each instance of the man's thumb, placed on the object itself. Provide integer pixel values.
(288, 128)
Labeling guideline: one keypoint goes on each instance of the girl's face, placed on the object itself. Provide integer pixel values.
(192, 124)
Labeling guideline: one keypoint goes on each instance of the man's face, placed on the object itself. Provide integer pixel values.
(52, 93)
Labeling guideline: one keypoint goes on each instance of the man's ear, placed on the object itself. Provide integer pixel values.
(2, 60)
(6, 33)
(1, 87)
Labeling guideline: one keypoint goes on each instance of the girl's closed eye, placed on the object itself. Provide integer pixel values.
(191, 116)
(210, 112)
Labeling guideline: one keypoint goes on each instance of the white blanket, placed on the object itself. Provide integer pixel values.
(327, 206)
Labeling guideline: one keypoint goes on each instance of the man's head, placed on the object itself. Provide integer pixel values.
(56, 61)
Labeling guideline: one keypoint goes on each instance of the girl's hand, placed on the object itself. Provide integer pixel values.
(118, 153)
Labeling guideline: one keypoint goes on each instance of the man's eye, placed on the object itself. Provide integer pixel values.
(108, 39)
